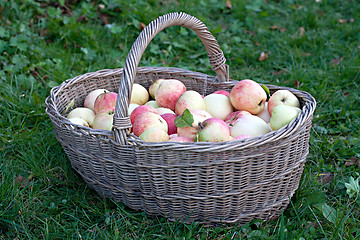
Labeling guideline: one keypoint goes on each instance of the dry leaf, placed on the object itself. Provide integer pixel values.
(325, 177)
(297, 84)
(278, 72)
(336, 61)
(142, 26)
(228, 4)
(352, 161)
(82, 18)
(263, 56)
(274, 27)
(250, 32)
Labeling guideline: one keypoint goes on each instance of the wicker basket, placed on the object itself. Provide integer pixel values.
(226, 182)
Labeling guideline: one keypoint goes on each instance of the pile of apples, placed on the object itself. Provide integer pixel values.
(167, 111)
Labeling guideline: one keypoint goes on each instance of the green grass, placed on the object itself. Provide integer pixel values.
(43, 43)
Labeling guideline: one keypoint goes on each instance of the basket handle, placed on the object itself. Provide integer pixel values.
(122, 122)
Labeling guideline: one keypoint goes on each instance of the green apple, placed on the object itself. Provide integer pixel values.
(283, 115)
(282, 97)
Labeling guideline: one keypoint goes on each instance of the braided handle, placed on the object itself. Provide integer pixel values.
(217, 60)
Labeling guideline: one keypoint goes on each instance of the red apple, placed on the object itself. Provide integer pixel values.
(214, 130)
(91, 97)
(232, 117)
(248, 95)
(168, 93)
(170, 118)
(148, 120)
(226, 93)
(139, 110)
(105, 101)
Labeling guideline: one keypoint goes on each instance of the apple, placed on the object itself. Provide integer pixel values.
(282, 97)
(162, 110)
(104, 120)
(213, 130)
(232, 117)
(148, 120)
(170, 118)
(78, 121)
(189, 100)
(249, 125)
(154, 134)
(200, 115)
(154, 86)
(218, 105)
(168, 93)
(174, 135)
(139, 110)
(248, 95)
(264, 114)
(152, 103)
(139, 94)
(241, 137)
(181, 139)
(283, 115)
(105, 101)
(226, 93)
(131, 108)
(91, 97)
(82, 112)
(191, 132)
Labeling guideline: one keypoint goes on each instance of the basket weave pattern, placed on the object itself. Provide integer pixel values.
(229, 182)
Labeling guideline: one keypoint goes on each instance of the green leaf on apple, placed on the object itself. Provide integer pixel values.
(184, 120)
(266, 89)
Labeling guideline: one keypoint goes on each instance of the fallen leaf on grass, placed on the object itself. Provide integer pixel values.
(82, 18)
(263, 56)
(325, 177)
(297, 84)
(274, 27)
(142, 26)
(336, 61)
(352, 161)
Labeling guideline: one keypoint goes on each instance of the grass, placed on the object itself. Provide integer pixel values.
(311, 45)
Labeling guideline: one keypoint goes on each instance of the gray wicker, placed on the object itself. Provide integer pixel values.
(226, 182)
